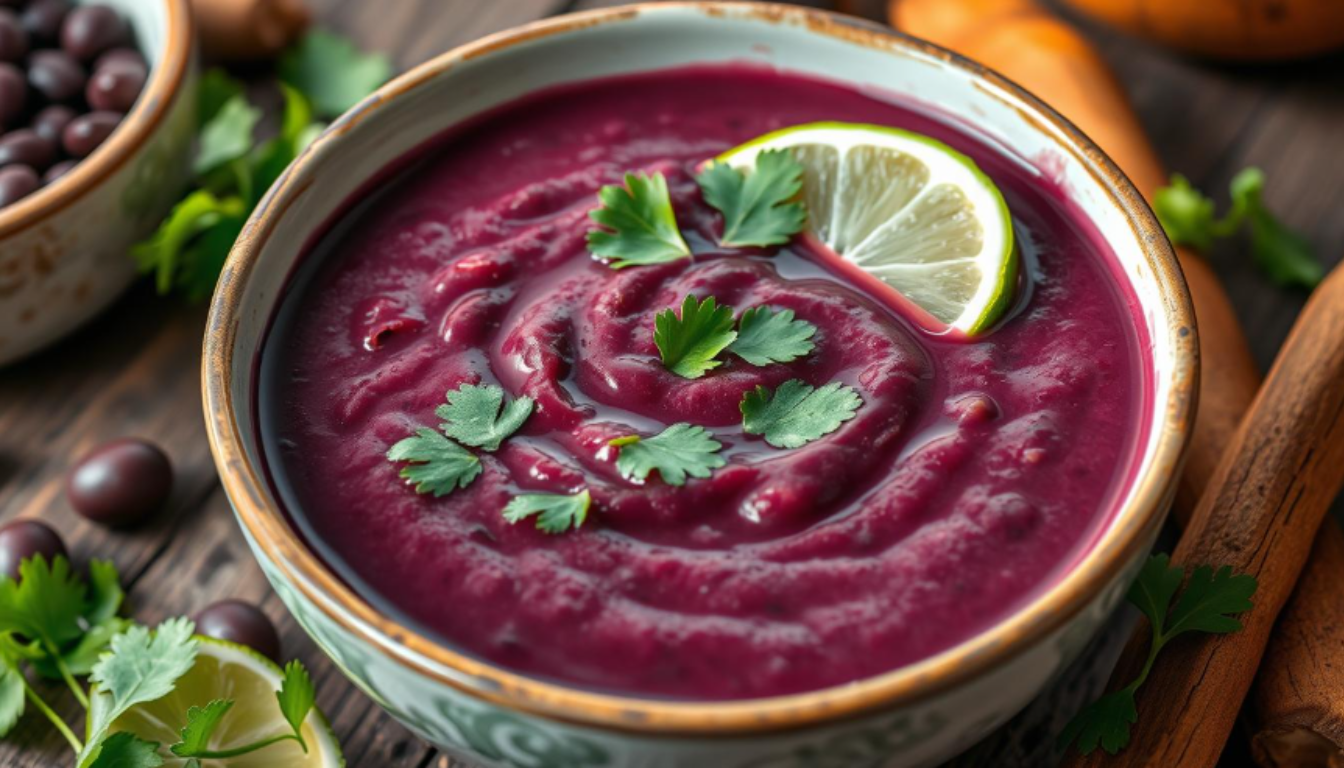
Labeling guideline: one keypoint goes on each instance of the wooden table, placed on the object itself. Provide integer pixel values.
(136, 371)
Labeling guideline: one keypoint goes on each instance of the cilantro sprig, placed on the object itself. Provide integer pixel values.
(320, 78)
(640, 226)
(676, 452)
(472, 414)
(797, 413)
(1208, 604)
(757, 208)
(1189, 218)
(690, 343)
(555, 512)
(51, 619)
(765, 336)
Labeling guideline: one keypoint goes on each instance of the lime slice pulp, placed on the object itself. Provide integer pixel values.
(908, 210)
(228, 671)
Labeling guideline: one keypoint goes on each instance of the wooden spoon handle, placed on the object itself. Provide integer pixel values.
(1260, 515)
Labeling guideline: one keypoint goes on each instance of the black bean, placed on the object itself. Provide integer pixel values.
(22, 539)
(122, 482)
(50, 122)
(58, 170)
(42, 20)
(17, 181)
(242, 623)
(56, 75)
(13, 94)
(91, 29)
(13, 42)
(115, 86)
(119, 54)
(25, 147)
(86, 132)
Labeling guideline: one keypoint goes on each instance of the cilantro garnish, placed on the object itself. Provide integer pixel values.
(765, 336)
(688, 344)
(643, 226)
(126, 750)
(676, 452)
(12, 687)
(296, 697)
(200, 727)
(797, 413)
(332, 71)
(323, 76)
(141, 668)
(438, 465)
(756, 208)
(1189, 219)
(1207, 604)
(556, 513)
(477, 415)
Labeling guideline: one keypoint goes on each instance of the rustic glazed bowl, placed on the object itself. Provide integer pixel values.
(64, 250)
(914, 716)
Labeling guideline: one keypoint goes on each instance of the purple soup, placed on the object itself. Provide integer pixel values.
(974, 475)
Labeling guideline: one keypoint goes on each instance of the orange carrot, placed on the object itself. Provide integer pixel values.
(1229, 29)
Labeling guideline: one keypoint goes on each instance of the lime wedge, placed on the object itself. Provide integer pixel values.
(228, 671)
(908, 210)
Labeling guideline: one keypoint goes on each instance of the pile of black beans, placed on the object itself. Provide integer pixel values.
(68, 75)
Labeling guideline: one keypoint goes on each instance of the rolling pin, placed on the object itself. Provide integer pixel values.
(1298, 703)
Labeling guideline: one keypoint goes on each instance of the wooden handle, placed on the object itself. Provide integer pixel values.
(1260, 516)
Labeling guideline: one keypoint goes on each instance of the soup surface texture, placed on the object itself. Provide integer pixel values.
(974, 474)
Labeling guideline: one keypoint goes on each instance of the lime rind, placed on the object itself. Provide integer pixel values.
(997, 259)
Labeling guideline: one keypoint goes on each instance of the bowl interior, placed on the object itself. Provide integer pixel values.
(422, 104)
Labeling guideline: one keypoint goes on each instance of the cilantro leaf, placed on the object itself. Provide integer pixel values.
(688, 344)
(332, 71)
(797, 413)
(644, 228)
(1281, 254)
(1209, 597)
(216, 88)
(106, 596)
(227, 136)
(126, 750)
(174, 246)
(200, 727)
(46, 603)
(556, 513)
(676, 452)
(297, 697)
(297, 131)
(1105, 722)
(438, 465)
(142, 667)
(756, 208)
(1186, 214)
(765, 336)
(11, 697)
(477, 416)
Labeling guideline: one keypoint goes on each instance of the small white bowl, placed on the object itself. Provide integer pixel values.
(65, 249)
(914, 716)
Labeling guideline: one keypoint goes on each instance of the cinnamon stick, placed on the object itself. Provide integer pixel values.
(1260, 515)
(1049, 57)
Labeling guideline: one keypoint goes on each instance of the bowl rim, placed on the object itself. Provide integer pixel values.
(139, 125)
(1124, 540)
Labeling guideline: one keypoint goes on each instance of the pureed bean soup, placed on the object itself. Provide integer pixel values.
(974, 474)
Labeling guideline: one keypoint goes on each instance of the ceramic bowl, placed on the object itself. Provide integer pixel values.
(914, 716)
(64, 250)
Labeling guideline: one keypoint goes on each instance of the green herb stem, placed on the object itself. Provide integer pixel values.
(225, 754)
(55, 719)
(80, 695)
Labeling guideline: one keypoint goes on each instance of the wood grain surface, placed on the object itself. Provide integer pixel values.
(135, 371)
